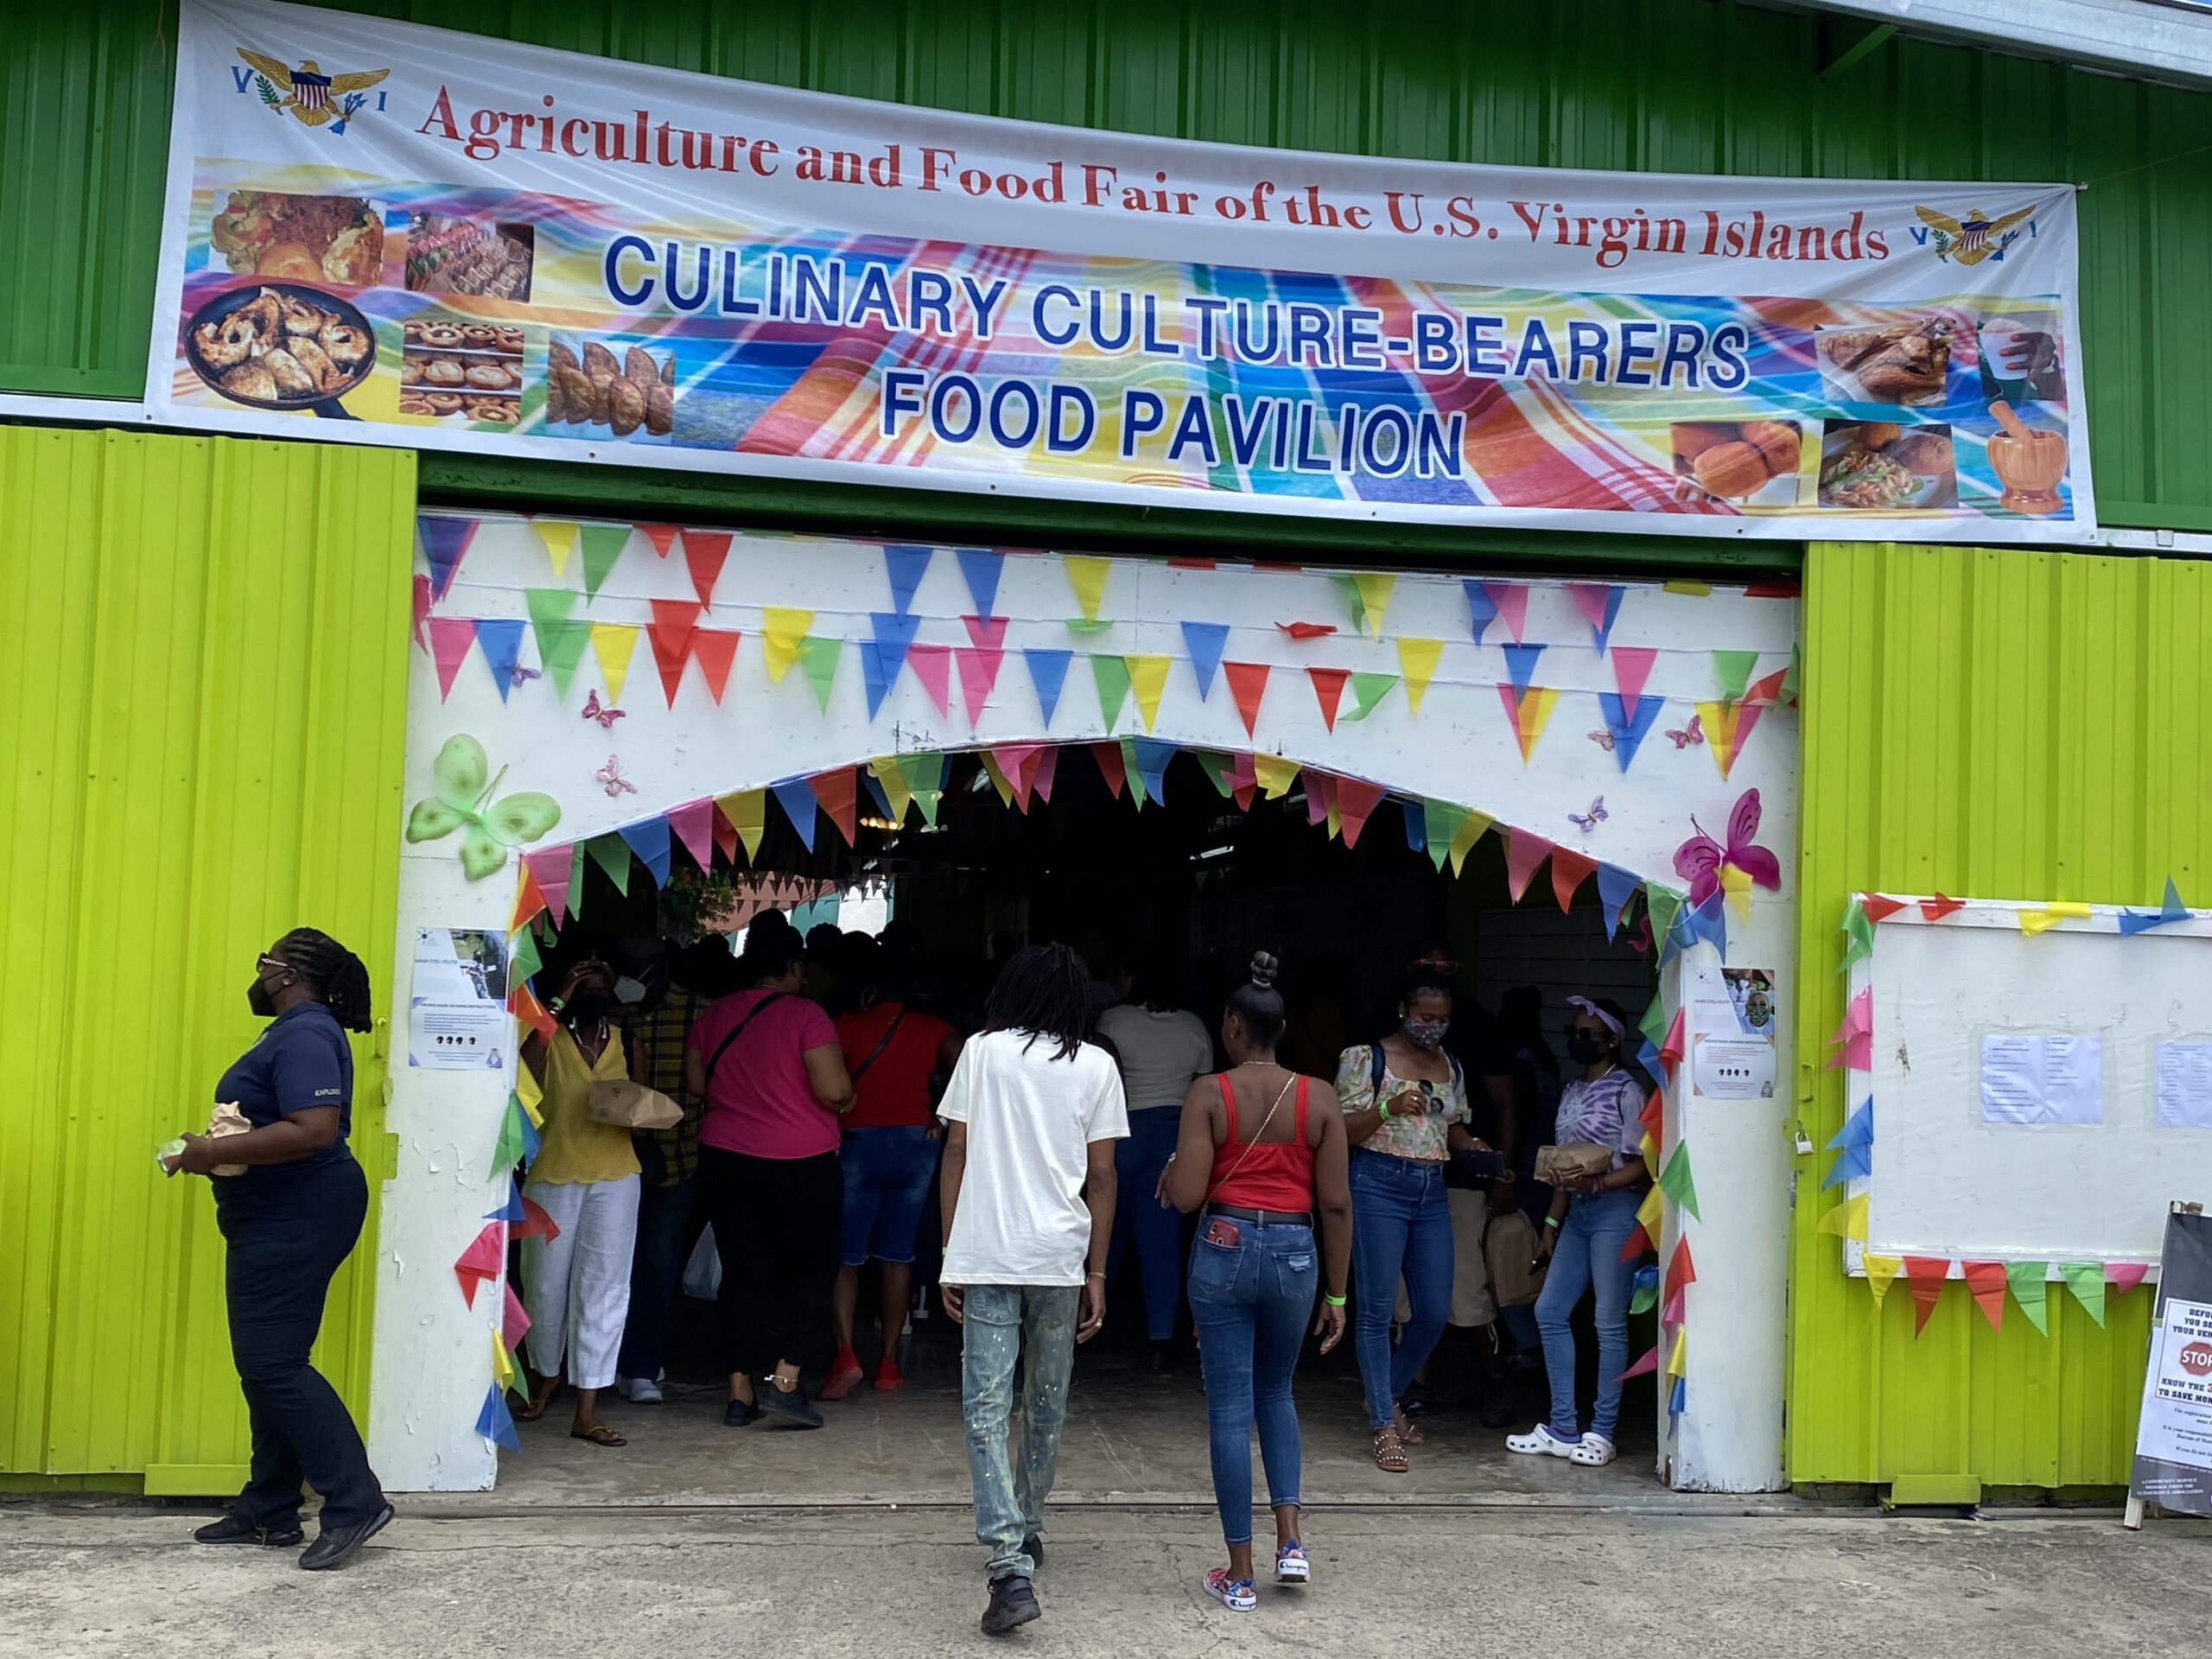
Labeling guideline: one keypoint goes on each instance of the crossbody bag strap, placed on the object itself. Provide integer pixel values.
(881, 1043)
(736, 1032)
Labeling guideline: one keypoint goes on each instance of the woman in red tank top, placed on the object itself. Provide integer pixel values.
(1263, 1153)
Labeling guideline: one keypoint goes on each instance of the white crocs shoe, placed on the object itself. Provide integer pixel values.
(1595, 1452)
(1541, 1442)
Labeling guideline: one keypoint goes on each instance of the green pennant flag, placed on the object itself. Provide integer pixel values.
(1367, 690)
(561, 642)
(1857, 933)
(1217, 768)
(523, 960)
(575, 881)
(1731, 668)
(506, 1152)
(611, 853)
(1130, 773)
(1111, 672)
(2087, 1281)
(602, 545)
(1089, 624)
(1661, 904)
(924, 775)
(1676, 1182)
(1790, 678)
(1654, 1023)
(1443, 820)
(818, 657)
(1646, 1297)
(2027, 1281)
(1357, 606)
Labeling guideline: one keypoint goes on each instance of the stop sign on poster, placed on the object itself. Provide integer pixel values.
(2173, 1444)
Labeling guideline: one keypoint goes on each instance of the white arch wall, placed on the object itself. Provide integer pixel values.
(432, 1351)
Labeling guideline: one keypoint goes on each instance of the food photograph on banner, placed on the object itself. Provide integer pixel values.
(439, 242)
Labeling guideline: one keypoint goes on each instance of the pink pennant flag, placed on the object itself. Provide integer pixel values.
(1674, 1312)
(480, 1263)
(1570, 869)
(1243, 778)
(1017, 763)
(1856, 1033)
(1523, 852)
(2124, 1276)
(979, 665)
(514, 1321)
(421, 611)
(1631, 668)
(1320, 795)
(1650, 1363)
(450, 639)
(1670, 1052)
(550, 868)
(932, 666)
(1511, 599)
(694, 823)
(1046, 764)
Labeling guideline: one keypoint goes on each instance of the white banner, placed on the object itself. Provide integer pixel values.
(395, 234)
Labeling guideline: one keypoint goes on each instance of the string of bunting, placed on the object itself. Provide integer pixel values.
(1661, 1054)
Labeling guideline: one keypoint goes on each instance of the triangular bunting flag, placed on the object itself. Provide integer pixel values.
(1368, 690)
(1616, 886)
(906, 563)
(611, 855)
(1881, 1271)
(1356, 799)
(1205, 641)
(503, 1366)
(536, 1223)
(1846, 1220)
(715, 649)
(1089, 623)
(1631, 672)
(1986, 1283)
(1417, 660)
(836, 791)
(876, 792)
(1307, 630)
(1637, 1242)
(745, 811)
(495, 1422)
(444, 540)
(1000, 781)
(1852, 1163)
(1626, 726)
(2124, 1276)
(1416, 815)
(1113, 766)
(693, 824)
(420, 610)
(514, 1320)
(675, 621)
(2087, 1281)
(1520, 664)
(1878, 908)
(2026, 1281)
(1652, 1211)
(1248, 683)
(1671, 1051)
(1678, 1399)
(982, 567)
(892, 781)
(1599, 603)
(1441, 824)
(1643, 1367)
(1936, 909)
(532, 1093)
(1481, 608)
(1111, 674)
(703, 553)
(480, 1262)
(1679, 1184)
(1645, 1296)
(1372, 589)
(1507, 599)
(1678, 1361)
(883, 656)
(1676, 1312)
(1661, 904)
(1151, 756)
(560, 539)
(1681, 1270)
(979, 661)
(1463, 839)
(1048, 673)
(1925, 1274)
(1856, 1034)
(818, 656)
(1018, 761)
(932, 666)
(798, 804)
(1570, 869)
(648, 839)
(1727, 727)
(1148, 678)
(1321, 798)
(1328, 688)
(1529, 711)
(1733, 670)
(560, 642)
(499, 639)
(550, 868)
(1088, 577)
(2133, 922)
(612, 643)
(450, 640)
(663, 536)
(1048, 762)
(1524, 850)
(1274, 775)
(603, 544)
(782, 628)
(1858, 1129)
(523, 960)
(1857, 934)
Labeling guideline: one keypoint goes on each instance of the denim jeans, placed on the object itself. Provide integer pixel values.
(1587, 1255)
(1252, 1301)
(889, 1168)
(664, 1221)
(1400, 1226)
(1156, 1228)
(1001, 1323)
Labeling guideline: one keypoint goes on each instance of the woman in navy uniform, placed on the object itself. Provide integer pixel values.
(290, 1219)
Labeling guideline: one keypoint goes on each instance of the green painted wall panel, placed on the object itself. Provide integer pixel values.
(204, 710)
(1999, 725)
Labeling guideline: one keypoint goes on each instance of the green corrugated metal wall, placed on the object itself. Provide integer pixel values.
(1692, 85)
(1999, 725)
(205, 710)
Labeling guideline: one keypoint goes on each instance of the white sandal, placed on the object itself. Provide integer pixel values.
(1595, 1452)
(1541, 1442)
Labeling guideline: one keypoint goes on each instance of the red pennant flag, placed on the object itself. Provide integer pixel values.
(535, 1222)
(530, 1011)
(1356, 798)
(1046, 765)
(693, 824)
(421, 611)
(1654, 1113)
(1937, 908)
(715, 649)
(1681, 1270)
(979, 661)
(704, 551)
(1306, 630)
(1328, 690)
(1878, 908)
(1986, 1280)
(675, 621)
(1639, 1241)
(1570, 869)
(1925, 1274)
(663, 536)
(1188, 563)
(1109, 765)
(550, 868)
(836, 791)
(450, 639)
(1248, 683)
(1523, 852)
(1771, 590)
(1670, 1052)
(530, 899)
(725, 836)
(1244, 779)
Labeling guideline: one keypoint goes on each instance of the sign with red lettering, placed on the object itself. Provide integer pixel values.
(385, 234)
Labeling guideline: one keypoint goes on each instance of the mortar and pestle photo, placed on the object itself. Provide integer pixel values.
(2028, 462)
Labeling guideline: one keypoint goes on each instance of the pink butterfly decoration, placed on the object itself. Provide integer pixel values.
(1700, 857)
(1598, 816)
(611, 778)
(1604, 740)
(1693, 733)
(1639, 940)
(595, 709)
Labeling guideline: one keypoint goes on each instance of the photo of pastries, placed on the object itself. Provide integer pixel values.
(1751, 462)
(1906, 363)
(301, 239)
(450, 255)
(588, 385)
(470, 369)
(279, 346)
(1881, 467)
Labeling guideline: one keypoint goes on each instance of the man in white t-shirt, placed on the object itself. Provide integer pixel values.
(1034, 1111)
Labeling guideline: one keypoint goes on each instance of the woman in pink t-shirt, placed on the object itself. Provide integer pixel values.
(767, 1063)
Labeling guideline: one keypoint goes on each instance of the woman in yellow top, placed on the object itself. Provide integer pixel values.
(576, 1284)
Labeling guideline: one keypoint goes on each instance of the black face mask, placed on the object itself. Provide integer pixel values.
(588, 1002)
(259, 1000)
(1585, 1048)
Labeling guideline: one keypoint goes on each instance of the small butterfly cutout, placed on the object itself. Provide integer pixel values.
(1598, 816)
(520, 675)
(1604, 740)
(1693, 736)
(1640, 941)
(595, 709)
(611, 778)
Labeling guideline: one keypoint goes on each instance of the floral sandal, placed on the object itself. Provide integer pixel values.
(1390, 1451)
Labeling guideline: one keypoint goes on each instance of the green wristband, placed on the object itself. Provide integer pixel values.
(1333, 1301)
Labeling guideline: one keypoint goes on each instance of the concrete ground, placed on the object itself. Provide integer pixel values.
(883, 1584)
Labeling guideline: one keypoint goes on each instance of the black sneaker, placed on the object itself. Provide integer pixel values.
(788, 1407)
(336, 1546)
(1033, 1547)
(1014, 1604)
(231, 1531)
(738, 1414)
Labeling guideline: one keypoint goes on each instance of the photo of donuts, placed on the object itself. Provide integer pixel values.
(1882, 466)
(450, 255)
(470, 369)
(596, 387)
(1750, 463)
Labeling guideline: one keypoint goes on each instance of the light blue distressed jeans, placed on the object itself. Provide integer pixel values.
(1000, 1323)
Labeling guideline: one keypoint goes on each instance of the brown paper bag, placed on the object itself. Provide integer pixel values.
(226, 1119)
(1578, 1160)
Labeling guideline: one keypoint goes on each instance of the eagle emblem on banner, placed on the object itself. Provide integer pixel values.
(1973, 238)
(316, 100)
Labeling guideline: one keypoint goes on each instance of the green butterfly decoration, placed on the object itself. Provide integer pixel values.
(465, 797)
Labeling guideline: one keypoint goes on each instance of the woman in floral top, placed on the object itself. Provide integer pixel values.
(1405, 1113)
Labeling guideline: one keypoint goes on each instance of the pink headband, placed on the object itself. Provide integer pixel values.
(1596, 1013)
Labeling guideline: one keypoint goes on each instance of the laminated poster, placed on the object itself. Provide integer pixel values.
(2173, 1441)
(457, 1008)
(1732, 1016)
(2031, 1079)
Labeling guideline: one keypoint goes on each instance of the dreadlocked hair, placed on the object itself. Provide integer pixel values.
(334, 973)
(1046, 991)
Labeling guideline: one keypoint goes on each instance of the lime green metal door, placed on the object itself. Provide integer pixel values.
(204, 711)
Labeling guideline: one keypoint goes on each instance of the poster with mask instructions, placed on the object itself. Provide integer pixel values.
(1733, 1014)
(457, 1008)
(2173, 1440)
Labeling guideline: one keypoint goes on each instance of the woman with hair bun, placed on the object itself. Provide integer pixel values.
(290, 1219)
(1261, 1154)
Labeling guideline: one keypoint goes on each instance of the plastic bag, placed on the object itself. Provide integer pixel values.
(703, 1273)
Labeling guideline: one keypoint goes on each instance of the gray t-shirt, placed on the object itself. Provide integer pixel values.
(1160, 1052)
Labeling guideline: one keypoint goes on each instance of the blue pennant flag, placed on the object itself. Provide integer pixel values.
(877, 793)
(1616, 887)
(1521, 664)
(531, 1140)
(1858, 1129)
(2138, 921)
(444, 540)
(1416, 824)
(1627, 728)
(1205, 641)
(500, 639)
(1604, 629)
(796, 796)
(1153, 755)
(982, 567)
(494, 1422)
(905, 565)
(512, 1210)
(1678, 1396)
(1484, 612)
(1048, 673)
(648, 839)
(1853, 1163)
(883, 656)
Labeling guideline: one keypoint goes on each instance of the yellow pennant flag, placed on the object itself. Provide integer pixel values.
(1650, 1150)
(1273, 774)
(1880, 1271)
(560, 539)
(1087, 575)
(1535, 708)
(1417, 662)
(1678, 1363)
(884, 770)
(999, 781)
(1373, 587)
(532, 1093)
(2033, 922)
(782, 628)
(1336, 822)
(1847, 1219)
(747, 812)
(1736, 884)
(1652, 1210)
(1463, 839)
(1685, 585)
(1148, 679)
(612, 642)
(503, 1367)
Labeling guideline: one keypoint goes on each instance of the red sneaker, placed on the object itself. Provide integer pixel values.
(844, 1375)
(888, 1376)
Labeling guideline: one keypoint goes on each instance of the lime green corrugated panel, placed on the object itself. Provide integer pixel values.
(204, 716)
(1984, 724)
